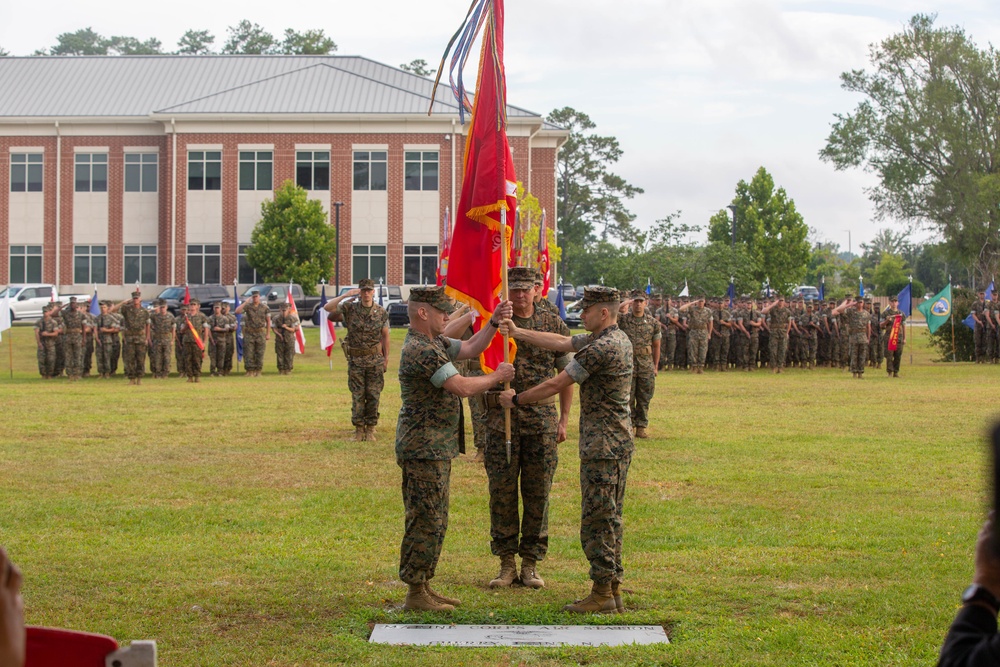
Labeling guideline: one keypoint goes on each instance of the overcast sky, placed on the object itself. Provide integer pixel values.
(700, 93)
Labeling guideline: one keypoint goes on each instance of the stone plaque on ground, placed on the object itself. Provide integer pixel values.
(517, 635)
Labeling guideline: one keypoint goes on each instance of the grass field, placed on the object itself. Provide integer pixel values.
(800, 519)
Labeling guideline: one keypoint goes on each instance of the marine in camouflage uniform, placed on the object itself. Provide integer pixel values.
(893, 357)
(74, 332)
(213, 350)
(109, 347)
(48, 329)
(180, 327)
(669, 317)
(699, 324)
(979, 332)
(603, 369)
(256, 332)
(135, 331)
(541, 302)
(218, 323)
(90, 326)
(428, 434)
(230, 339)
(858, 332)
(725, 320)
(536, 431)
(992, 312)
(875, 343)
(754, 324)
(284, 324)
(643, 332)
(366, 347)
(60, 340)
(740, 337)
(161, 333)
(780, 323)
(195, 323)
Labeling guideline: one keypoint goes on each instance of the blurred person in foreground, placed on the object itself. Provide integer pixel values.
(12, 634)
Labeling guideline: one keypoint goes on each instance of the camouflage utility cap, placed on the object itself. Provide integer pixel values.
(599, 294)
(366, 283)
(638, 295)
(539, 278)
(521, 277)
(433, 296)
(136, 294)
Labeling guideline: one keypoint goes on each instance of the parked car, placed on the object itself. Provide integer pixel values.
(26, 300)
(391, 296)
(399, 315)
(205, 294)
(275, 295)
(572, 318)
(807, 292)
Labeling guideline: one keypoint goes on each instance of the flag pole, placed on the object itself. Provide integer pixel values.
(506, 340)
(910, 318)
(954, 354)
(10, 349)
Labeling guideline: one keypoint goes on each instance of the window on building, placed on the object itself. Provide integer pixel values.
(26, 264)
(312, 170)
(246, 273)
(90, 264)
(369, 262)
(140, 264)
(204, 170)
(204, 264)
(256, 168)
(421, 170)
(141, 171)
(420, 264)
(91, 174)
(370, 168)
(25, 172)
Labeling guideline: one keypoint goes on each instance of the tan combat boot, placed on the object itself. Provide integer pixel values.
(640, 432)
(370, 433)
(616, 595)
(600, 601)
(418, 599)
(359, 434)
(508, 572)
(442, 599)
(529, 574)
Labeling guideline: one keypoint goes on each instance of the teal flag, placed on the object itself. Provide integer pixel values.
(937, 310)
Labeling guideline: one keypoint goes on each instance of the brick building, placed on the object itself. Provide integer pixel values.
(152, 169)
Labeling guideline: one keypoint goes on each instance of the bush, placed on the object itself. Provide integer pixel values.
(965, 347)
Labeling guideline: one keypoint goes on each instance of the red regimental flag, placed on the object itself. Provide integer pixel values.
(489, 192)
(894, 333)
(194, 332)
(187, 296)
(544, 263)
(300, 340)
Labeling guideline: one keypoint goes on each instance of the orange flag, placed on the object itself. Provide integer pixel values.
(489, 189)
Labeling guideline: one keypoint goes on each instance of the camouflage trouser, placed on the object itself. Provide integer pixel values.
(602, 487)
(284, 351)
(134, 358)
(811, 344)
(60, 354)
(179, 357)
(874, 349)
(425, 502)
(752, 347)
(845, 349)
(642, 394)
(227, 360)
(159, 357)
(107, 354)
(740, 344)
(220, 352)
(667, 358)
(697, 348)
(210, 348)
(681, 359)
(88, 354)
(893, 357)
(74, 354)
(859, 352)
(723, 359)
(253, 350)
(366, 388)
(778, 349)
(193, 356)
(533, 459)
(712, 355)
(991, 343)
(47, 358)
(471, 368)
(792, 349)
(979, 338)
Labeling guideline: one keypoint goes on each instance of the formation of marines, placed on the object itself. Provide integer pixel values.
(777, 334)
(986, 333)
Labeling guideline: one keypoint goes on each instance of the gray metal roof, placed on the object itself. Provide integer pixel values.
(124, 86)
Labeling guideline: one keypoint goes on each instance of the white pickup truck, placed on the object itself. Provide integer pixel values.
(26, 300)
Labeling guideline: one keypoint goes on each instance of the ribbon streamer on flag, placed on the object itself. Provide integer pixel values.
(543, 260)
(194, 332)
(300, 340)
(442, 267)
(894, 333)
(489, 187)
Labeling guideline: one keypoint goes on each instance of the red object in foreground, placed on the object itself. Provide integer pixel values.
(54, 647)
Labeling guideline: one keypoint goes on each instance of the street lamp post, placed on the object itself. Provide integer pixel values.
(732, 208)
(336, 262)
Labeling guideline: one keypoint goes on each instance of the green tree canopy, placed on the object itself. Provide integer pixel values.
(591, 197)
(769, 229)
(310, 42)
(4, 52)
(418, 67)
(195, 43)
(293, 242)
(131, 46)
(928, 128)
(83, 42)
(249, 38)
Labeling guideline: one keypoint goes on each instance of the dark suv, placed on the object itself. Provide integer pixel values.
(206, 295)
